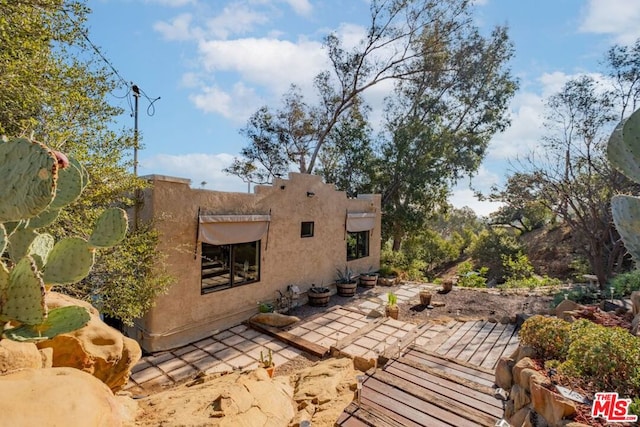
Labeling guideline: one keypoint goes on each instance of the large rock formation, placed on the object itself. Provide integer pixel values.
(58, 397)
(97, 348)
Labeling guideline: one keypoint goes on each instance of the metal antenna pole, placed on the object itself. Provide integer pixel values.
(136, 96)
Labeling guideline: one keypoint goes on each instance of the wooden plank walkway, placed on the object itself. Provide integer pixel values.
(479, 342)
(425, 389)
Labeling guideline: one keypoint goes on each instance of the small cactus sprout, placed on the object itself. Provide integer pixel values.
(36, 183)
(266, 361)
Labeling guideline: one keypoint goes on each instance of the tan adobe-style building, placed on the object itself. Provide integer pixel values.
(228, 252)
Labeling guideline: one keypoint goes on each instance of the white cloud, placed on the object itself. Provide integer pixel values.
(178, 29)
(301, 7)
(172, 3)
(618, 18)
(235, 19)
(237, 104)
(271, 63)
(462, 195)
(197, 167)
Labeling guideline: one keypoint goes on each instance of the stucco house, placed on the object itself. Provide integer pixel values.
(230, 251)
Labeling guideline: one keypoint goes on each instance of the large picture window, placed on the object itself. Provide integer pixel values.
(226, 266)
(357, 245)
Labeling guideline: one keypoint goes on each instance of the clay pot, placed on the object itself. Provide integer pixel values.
(425, 298)
(392, 311)
(270, 370)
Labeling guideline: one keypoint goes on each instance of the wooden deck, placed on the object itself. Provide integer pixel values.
(425, 389)
(478, 342)
(443, 377)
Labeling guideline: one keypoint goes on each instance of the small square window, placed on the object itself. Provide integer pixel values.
(306, 230)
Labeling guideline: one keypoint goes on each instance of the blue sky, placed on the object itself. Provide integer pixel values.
(215, 62)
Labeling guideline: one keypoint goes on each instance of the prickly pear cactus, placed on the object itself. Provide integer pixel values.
(36, 183)
(623, 152)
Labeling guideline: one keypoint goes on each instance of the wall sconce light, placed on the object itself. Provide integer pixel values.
(310, 194)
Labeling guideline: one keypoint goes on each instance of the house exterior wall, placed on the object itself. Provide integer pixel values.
(185, 314)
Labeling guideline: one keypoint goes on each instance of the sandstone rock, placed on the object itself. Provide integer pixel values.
(374, 314)
(531, 376)
(47, 357)
(635, 325)
(58, 397)
(521, 365)
(569, 423)
(519, 396)
(635, 302)
(518, 419)
(16, 355)
(526, 351)
(96, 348)
(248, 399)
(504, 377)
(363, 364)
(566, 305)
(552, 406)
(319, 383)
(276, 320)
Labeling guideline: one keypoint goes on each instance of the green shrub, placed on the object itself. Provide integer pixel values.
(550, 336)
(531, 283)
(608, 357)
(517, 266)
(624, 284)
(469, 278)
(579, 295)
(489, 248)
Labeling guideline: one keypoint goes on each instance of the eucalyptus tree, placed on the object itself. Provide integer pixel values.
(405, 40)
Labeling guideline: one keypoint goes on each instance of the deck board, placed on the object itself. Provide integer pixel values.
(491, 360)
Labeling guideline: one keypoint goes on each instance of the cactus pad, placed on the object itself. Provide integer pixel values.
(626, 217)
(3, 238)
(19, 243)
(25, 294)
(40, 248)
(623, 149)
(59, 321)
(45, 218)
(68, 262)
(4, 283)
(28, 176)
(110, 228)
(68, 188)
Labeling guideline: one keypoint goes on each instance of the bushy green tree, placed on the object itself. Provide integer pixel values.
(54, 88)
(489, 249)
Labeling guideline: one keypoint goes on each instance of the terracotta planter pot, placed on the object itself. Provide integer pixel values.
(425, 298)
(270, 370)
(319, 299)
(346, 289)
(392, 311)
(368, 280)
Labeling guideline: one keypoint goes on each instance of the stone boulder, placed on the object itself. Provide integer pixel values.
(245, 399)
(276, 320)
(59, 397)
(97, 348)
(19, 355)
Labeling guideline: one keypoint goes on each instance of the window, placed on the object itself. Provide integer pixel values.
(226, 266)
(357, 245)
(306, 230)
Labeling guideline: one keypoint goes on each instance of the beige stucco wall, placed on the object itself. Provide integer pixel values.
(185, 315)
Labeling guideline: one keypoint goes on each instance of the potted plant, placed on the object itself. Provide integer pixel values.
(391, 310)
(425, 297)
(319, 296)
(267, 362)
(368, 279)
(345, 284)
(387, 276)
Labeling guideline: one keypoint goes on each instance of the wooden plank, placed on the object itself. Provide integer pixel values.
(457, 384)
(475, 343)
(437, 356)
(425, 385)
(488, 344)
(451, 368)
(411, 407)
(289, 338)
(364, 415)
(492, 358)
(464, 341)
(454, 338)
(512, 345)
